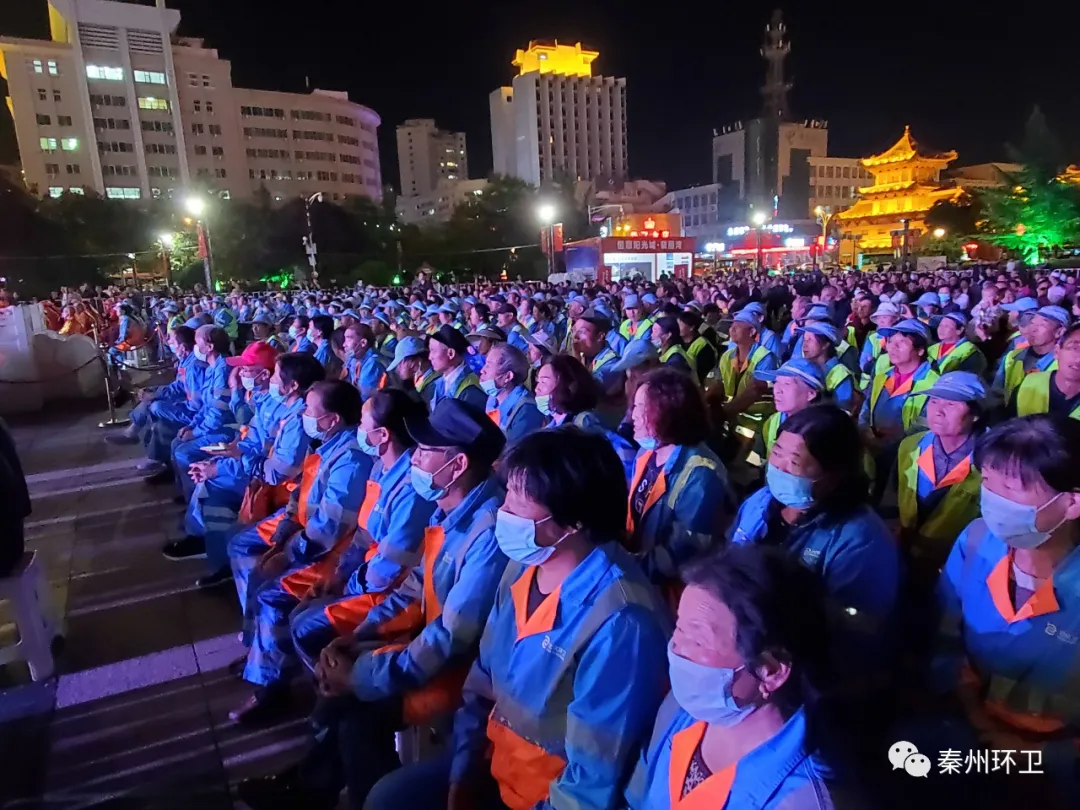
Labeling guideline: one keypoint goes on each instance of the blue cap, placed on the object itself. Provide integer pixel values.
(194, 323)
(959, 386)
(742, 316)
(263, 319)
(636, 353)
(454, 423)
(801, 369)
(823, 329)
(958, 317)
(1055, 313)
(351, 313)
(928, 299)
(417, 305)
(431, 310)
(631, 302)
(908, 326)
(382, 316)
(818, 312)
(756, 308)
(407, 347)
(648, 298)
(1021, 305)
(449, 308)
(471, 299)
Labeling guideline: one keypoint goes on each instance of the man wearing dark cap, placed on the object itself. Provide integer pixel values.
(370, 695)
(506, 319)
(590, 342)
(448, 350)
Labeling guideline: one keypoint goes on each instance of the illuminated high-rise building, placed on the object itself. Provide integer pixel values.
(557, 120)
(428, 156)
(115, 103)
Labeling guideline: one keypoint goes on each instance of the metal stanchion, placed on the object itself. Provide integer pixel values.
(112, 421)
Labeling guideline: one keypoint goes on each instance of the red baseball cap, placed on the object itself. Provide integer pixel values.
(256, 354)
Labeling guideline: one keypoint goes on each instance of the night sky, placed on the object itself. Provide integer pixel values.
(964, 75)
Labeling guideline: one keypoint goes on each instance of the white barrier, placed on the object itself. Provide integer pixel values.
(39, 366)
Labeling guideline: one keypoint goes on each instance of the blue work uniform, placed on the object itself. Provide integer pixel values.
(515, 336)
(225, 319)
(893, 408)
(324, 510)
(214, 422)
(780, 773)
(547, 704)
(1016, 365)
(387, 546)
(856, 558)
(176, 402)
(601, 368)
(454, 590)
(840, 383)
(367, 373)
(461, 384)
(324, 353)
(516, 415)
(617, 342)
(675, 511)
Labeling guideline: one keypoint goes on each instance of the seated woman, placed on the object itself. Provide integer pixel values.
(571, 666)
(389, 539)
(1007, 651)
(298, 334)
(679, 497)
(131, 333)
(814, 507)
(819, 347)
(300, 544)
(510, 405)
(796, 386)
(746, 663)
(320, 330)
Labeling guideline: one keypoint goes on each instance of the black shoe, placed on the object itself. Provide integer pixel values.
(190, 548)
(219, 577)
(121, 438)
(162, 477)
(284, 791)
(266, 704)
(237, 667)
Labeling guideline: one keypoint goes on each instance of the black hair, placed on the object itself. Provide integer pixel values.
(833, 440)
(337, 339)
(390, 407)
(483, 310)
(1041, 446)
(1071, 329)
(185, 336)
(676, 407)
(300, 368)
(363, 332)
(669, 324)
(576, 390)
(830, 347)
(669, 310)
(710, 309)
(576, 475)
(325, 325)
(691, 319)
(300, 321)
(780, 611)
(341, 398)
(219, 339)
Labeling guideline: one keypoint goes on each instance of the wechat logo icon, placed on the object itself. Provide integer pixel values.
(906, 757)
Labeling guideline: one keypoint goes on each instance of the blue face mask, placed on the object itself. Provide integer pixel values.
(944, 298)
(200, 355)
(543, 404)
(646, 442)
(365, 443)
(705, 692)
(275, 393)
(489, 387)
(424, 482)
(790, 490)
(1014, 522)
(516, 537)
(311, 427)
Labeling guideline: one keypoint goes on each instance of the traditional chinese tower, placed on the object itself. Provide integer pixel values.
(891, 214)
(775, 51)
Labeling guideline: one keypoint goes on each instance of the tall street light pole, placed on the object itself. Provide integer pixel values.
(196, 206)
(309, 241)
(759, 218)
(824, 216)
(165, 240)
(546, 213)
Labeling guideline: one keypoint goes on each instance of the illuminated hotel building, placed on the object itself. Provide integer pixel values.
(428, 156)
(559, 120)
(906, 186)
(116, 104)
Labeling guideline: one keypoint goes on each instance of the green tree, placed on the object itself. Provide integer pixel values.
(1036, 210)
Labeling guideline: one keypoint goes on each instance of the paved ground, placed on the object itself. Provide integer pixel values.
(137, 716)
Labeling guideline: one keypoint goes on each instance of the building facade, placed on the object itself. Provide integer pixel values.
(834, 182)
(983, 175)
(428, 156)
(699, 207)
(116, 104)
(557, 120)
(438, 205)
(890, 214)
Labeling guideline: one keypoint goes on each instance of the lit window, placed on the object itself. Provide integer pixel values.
(112, 74)
(69, 144)
(37, 66)
(149, 77)
(48, 144)
(76, 190)
(117, 193)
(56, 191)
(53, 69)
(151, 103)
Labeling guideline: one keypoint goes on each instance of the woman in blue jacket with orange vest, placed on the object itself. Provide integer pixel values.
(509, 404)
(679, 499)
(571, 667)
(746, 662)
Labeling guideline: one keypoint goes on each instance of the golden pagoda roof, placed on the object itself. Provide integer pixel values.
(863, 208)
(907, 149)
(1071, 174)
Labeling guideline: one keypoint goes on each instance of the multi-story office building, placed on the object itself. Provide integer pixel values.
(428, 156)
(116, 104)
(835, 182)
(557, 120)
(438, 205)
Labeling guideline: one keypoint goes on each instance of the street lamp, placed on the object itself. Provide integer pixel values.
(939, 233)
(309, 240)
(824, 215)
(546, 212)
(759, 218)
(196, 206)
(166, 242)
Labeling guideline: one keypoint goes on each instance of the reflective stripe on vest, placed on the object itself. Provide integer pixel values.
(953, 513)
(914, 402)
(1033, 395)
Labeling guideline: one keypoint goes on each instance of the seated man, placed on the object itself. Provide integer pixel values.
(373, 693)
(276, 561)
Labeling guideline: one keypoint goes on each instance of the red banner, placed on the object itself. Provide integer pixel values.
(202, 242)
(682, 271)
(603, 274)
(557, 236)
(676, 244)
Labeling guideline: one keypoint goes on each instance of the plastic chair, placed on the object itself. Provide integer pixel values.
(27, 591)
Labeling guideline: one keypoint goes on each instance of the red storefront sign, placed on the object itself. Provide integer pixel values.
(603, 274)
(676, 244)
(682, 271)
